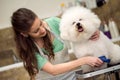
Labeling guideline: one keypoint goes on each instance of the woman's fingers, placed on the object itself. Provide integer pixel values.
(98, 63)
(95, 36)
(95, 62)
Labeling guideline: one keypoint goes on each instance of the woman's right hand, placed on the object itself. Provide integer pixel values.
(92, 61)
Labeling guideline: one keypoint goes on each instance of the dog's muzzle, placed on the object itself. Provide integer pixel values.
(79, 27)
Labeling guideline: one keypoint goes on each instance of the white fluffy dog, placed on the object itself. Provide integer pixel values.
(77, 26)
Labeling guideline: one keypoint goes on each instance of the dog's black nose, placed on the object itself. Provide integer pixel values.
(78, 24)
(79, 27)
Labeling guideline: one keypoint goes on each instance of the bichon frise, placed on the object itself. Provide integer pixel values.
(77, 25)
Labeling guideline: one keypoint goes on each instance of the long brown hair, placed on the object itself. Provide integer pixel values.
(22, 20)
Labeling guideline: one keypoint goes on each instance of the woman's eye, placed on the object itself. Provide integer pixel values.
(36, 31)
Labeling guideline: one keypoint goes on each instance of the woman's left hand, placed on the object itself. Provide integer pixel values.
(95, 36)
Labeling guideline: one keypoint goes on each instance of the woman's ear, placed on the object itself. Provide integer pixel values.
(24, 34)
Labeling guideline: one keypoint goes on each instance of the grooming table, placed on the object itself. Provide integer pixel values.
(115, 69)
(107, 71)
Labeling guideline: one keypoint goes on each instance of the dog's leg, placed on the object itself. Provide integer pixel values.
(115, 54)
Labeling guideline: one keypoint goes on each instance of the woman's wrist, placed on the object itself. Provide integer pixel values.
(82, 61)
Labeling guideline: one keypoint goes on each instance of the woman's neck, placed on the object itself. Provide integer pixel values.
(39, 42)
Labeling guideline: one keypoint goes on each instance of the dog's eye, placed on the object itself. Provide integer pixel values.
(73, 23)
(80, 19)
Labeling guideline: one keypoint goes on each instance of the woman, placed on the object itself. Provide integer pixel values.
(38, 45)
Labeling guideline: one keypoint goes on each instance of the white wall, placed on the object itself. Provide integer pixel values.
(43, 8)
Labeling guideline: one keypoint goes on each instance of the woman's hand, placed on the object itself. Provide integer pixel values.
(95, 36)
(93, 61)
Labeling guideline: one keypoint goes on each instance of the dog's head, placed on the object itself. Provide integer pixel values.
(78, 24)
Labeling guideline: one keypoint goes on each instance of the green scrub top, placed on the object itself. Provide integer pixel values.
(53, 23)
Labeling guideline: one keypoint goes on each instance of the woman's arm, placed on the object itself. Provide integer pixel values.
(68, 66)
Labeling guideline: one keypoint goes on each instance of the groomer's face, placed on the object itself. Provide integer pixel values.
(38, 29)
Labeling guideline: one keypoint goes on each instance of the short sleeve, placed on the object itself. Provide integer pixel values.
(54, 23)
(41, 60)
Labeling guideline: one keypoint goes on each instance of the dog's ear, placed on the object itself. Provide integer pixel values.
(64, 36)
(96, 22)
(63, 30)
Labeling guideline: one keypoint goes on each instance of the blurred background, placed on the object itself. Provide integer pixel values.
(107, 10)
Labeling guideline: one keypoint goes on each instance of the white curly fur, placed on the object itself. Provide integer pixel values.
(77, 26)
